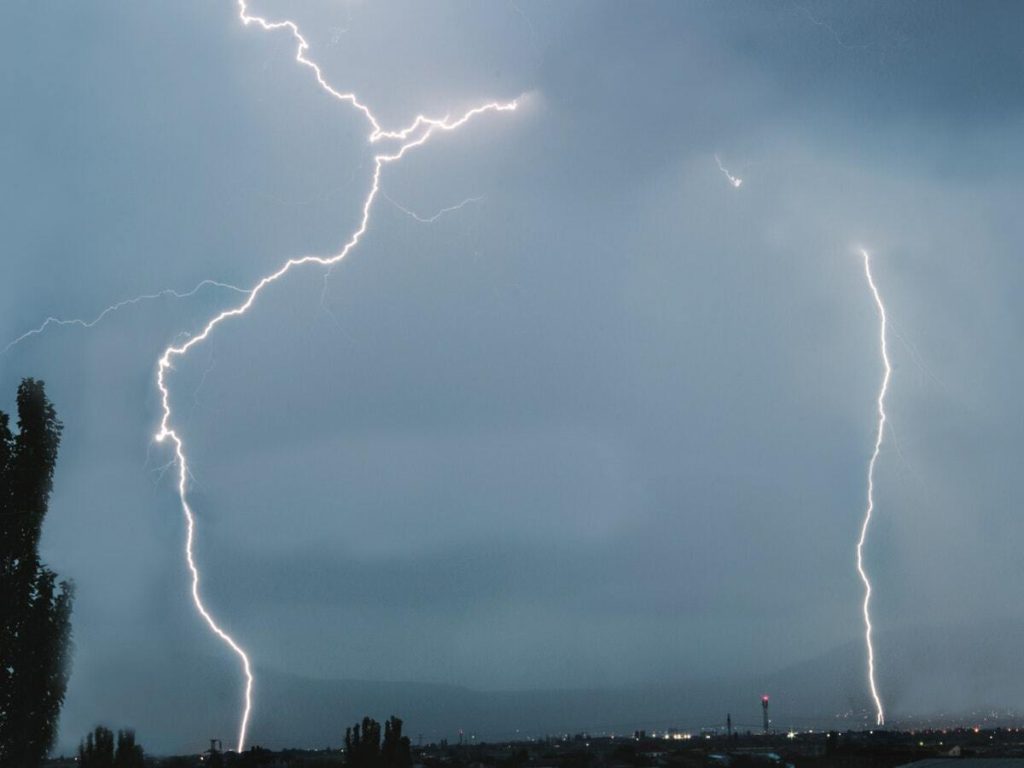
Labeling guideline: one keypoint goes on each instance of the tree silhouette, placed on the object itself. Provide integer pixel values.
(364, 749)
(128, 754)
(97, 750)
(395, 751)
(35, 611)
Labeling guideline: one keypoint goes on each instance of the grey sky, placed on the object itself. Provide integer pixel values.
(608, 425)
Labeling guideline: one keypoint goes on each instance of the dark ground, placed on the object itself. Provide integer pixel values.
(881, 749)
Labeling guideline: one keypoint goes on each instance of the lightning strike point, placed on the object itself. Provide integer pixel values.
(868, 512)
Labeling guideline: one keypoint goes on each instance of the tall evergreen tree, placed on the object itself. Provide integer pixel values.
(35, 610)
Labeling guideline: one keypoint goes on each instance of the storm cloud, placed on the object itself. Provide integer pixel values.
(607, 426)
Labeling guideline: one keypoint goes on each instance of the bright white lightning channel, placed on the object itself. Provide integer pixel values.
(405, 139)
(879, 436)
(166, 293)
(736, 181)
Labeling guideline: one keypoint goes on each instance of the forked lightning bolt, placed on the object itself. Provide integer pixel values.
(167, 292)
(879, 436)
(431, 219)
(414, 135)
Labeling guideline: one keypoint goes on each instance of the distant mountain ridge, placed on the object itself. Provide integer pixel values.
(953, 672)
(957, 672)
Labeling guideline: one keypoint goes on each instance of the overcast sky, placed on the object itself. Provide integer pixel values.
(607, 423)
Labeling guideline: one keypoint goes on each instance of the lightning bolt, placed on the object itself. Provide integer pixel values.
(166, 293)
(436, 216)
(821, 23)
(734, 180)
(880, 434)
(414, 135)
